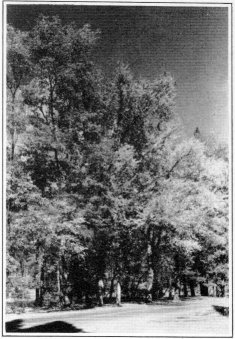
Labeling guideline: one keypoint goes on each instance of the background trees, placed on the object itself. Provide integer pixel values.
(104, 188)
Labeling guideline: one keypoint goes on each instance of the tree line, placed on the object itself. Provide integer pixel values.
(104, 189)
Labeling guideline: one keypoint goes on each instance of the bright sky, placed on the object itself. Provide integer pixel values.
(189, 42)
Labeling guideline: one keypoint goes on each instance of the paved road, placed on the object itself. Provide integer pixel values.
(194, 317)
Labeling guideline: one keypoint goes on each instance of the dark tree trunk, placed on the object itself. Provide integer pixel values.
(111, 289)
(39, 278)
(203, 290)
(222, 291)
(39, 288)
(12, 147)
(101, 292)
(192, 290)
(185, 289)
(155, 238)
(65, 284)
(171, 289)
(37, 296)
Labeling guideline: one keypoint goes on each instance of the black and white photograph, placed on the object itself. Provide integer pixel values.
(117, 169)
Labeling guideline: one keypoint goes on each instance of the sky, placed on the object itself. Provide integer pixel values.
(191, 43)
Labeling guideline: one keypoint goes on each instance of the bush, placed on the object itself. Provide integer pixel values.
(51, 300)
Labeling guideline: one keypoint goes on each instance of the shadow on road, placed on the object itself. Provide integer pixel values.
(221, 309)
(52, 327)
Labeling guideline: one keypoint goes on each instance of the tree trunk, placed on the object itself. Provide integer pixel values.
(52, 114)
(39, 288)
(171, 289)
(191, 285)
(155, 241)
(111, 289)
(13, 130)
(185, 289)
(150, 277)
(12, 146)
(203, 290)
(39, 278)
(64, 278)
(58, 279)
(118, 294)
(41, 282)
(176, 292)
(150, 285)
(101, 292)
(222, 290)
(37, 296)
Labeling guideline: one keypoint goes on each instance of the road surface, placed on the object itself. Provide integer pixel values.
(192, 317)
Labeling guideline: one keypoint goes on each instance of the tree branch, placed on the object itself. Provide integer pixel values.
(176, 163)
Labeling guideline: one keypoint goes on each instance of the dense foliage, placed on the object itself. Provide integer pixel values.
(104, 189)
